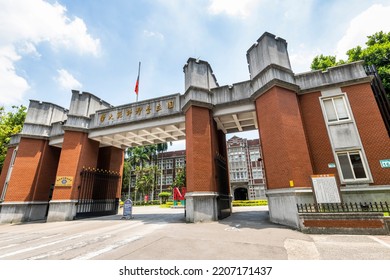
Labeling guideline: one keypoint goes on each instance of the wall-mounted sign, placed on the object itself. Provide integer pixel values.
(139, 111)
(64, 181)
(332, 165)
(325, 188)
(385, 163)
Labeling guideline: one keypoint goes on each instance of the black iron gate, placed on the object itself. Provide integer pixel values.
(97, 193)
(223, 199)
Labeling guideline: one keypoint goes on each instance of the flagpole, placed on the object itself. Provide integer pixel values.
(137, 85)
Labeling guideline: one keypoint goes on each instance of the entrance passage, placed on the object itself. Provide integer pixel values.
(241, 194)
(97, 193)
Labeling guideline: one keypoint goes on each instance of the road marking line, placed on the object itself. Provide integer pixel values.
(107, 249)
(380, 241)
(70, 247)
(39, 246)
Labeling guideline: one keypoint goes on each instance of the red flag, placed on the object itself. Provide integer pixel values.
(136, 86)
(136, 89)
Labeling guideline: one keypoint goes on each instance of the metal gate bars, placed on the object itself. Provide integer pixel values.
(97, 193)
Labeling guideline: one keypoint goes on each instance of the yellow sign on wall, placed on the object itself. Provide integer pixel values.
(64, 181)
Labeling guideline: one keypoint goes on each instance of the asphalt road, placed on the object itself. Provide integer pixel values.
(162, 234)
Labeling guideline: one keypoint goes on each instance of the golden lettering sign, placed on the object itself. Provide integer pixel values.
(170, 104)
(64, 181)
(139, 111)
(148, 109)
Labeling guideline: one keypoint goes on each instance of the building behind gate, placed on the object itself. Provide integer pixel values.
(319, 122)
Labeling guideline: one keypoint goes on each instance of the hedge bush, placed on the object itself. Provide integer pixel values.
(250, 202)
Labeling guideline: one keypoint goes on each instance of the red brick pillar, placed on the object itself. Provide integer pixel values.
(284, 146)
(112, 158)
(202, 149)
(33, 173)
(199, 151)
(78, 151)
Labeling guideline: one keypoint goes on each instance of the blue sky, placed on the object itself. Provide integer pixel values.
(48, 48)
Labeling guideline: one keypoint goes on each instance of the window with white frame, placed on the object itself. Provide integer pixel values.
(257, 173)
(336, 109)
(179, 162)
(351, 165)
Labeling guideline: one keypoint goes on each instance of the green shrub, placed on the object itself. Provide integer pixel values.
(164, 196)
(250, 202)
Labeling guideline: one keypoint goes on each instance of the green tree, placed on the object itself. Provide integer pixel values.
(376, 52)
(180, 178)
(134, 157)
(10, 123)
(323, 62)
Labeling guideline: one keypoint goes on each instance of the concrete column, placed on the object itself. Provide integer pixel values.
(78, 151)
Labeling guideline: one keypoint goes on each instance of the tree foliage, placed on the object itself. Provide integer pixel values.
(142, 162)
(11, 123)
(376, 52)
(180, 179)
(323, 62)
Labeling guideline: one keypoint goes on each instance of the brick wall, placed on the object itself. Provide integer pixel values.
(46, 173)
(316, 134)
(376, 141)
(78, 151)
(199, 150)
(111, 158)
(285, 152)
(33, 172)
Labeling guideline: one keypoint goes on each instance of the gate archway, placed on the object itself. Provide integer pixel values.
(291, 111)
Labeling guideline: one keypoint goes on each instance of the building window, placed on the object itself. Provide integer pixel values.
(179, 162)
(336, 109)
(255, 155)
(351, 165)
(257, 174)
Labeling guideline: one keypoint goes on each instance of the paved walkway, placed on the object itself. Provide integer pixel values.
(158, 233)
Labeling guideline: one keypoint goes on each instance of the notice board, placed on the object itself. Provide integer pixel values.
(325, 188)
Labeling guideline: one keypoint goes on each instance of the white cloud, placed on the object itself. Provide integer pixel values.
(234, 8)
(302, 57)
(374, 19)
(153, 34)
(24, 24)
(12, 86)
(66, 80)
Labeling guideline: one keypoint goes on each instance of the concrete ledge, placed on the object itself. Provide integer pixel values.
(282, 204)
(345, 223)
(23, 211)
(62, 210)
(201, 207)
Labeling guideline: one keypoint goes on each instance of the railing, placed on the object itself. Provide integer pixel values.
(343, 207)
(97, 193)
